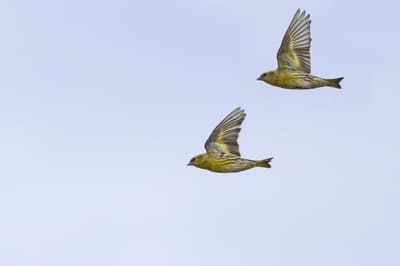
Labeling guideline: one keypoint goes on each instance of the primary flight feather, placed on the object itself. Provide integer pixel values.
(222, 148)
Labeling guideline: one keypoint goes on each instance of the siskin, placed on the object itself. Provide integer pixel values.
(294, 59)
(223, 150)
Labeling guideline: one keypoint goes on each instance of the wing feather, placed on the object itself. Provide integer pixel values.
(295, 47)
(223, 139)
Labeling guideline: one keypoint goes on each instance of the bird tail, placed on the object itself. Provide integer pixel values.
(264, 163)
(334, 82)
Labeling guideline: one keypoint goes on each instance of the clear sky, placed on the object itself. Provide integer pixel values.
(103, 103)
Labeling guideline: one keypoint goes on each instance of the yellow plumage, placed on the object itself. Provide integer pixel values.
(293, 57)
(223, 150)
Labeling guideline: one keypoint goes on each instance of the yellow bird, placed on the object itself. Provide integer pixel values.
(223, 150)
(294, 59)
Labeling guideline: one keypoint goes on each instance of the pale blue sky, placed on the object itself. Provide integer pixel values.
(104, 102)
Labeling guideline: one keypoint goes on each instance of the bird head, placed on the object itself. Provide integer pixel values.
(266, 76)
(196, 160)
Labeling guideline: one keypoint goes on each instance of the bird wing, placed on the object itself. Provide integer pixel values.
(295, 47)
(223, 139)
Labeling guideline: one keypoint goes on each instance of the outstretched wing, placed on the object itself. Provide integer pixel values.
(295, 47)
(223, 139)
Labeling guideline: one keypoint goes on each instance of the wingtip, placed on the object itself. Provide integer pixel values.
(239, 110)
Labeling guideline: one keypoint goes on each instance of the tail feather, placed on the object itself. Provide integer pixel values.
(334, 82)
(264, 163)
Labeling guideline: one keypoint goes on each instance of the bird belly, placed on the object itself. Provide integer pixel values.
(294, 80)
(231, 164)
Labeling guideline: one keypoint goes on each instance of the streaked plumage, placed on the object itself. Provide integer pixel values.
(293, 57)
(223, 150)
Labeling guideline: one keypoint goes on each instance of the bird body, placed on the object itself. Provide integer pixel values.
(223, 154)
(293, 58)
(292, 79)
(228, 163)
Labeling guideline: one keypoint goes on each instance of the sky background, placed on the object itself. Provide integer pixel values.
(103, 103)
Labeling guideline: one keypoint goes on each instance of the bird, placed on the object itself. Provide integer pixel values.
(222, 148)
(293, 57)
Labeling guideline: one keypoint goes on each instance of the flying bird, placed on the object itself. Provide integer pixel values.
(223, 149)
(293, 56)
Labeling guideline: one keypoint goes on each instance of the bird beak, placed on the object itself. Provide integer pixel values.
(188, 164)
(259, 78)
